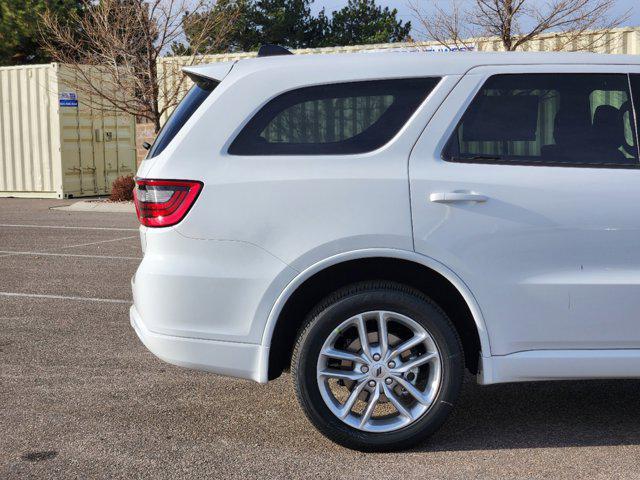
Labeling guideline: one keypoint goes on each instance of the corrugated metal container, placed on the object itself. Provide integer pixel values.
(622, 41)
(625, 40)
(56, 142)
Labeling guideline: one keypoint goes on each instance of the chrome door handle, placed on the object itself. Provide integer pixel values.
(452, 197)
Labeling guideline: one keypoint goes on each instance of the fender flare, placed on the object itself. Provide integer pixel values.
(446, 272)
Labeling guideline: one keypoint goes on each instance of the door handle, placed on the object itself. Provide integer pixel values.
(453, 197)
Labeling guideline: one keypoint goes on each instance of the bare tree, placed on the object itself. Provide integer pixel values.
(112, 49)
(446, 25)
(518, 22)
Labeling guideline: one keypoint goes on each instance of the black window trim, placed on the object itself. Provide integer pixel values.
(634, 111)
(256, 111)
(208, 84)
(525, 163)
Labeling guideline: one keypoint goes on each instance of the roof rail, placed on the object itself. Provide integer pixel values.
(270, 50)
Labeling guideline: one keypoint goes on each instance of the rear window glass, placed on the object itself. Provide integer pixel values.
(343, 118)
(189, 104)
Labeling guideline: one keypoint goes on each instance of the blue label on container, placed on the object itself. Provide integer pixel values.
(68, 99)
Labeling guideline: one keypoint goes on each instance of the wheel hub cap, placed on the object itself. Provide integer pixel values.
(379, 370)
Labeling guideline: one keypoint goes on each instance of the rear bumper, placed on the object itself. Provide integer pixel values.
(234, 359)
(204, 304)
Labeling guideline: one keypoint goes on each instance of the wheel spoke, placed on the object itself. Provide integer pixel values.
(353, 397)
(413, 391)
(342, 374)
(363, 335)
(371, 406)
(342, 355)
(402, 410)
(383, 338)
(417, 339)
(416, 362)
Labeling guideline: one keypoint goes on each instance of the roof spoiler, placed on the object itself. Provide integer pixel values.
(211, 71)
(271, 50)
(217, 71)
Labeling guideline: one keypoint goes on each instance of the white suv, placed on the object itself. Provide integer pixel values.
(378, 222)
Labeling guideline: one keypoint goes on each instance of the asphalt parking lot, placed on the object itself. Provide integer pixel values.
(81, 397)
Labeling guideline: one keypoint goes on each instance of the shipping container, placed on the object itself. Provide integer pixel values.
(56, 141)
(624, 40)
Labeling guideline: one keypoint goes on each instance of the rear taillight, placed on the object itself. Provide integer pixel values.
(162, 203)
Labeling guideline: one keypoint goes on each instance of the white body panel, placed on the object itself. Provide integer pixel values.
(551, 255)
(537, 275)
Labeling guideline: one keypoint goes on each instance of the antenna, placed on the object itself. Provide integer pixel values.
(271, 50)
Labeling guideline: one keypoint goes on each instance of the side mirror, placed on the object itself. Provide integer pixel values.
(146, 145)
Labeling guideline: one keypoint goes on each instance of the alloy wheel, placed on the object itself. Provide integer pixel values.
(379, 371)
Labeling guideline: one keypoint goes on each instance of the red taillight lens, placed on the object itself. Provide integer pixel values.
(162, 203)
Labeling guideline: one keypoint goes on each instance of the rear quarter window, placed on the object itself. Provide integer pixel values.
(193, 99)
(342, 118)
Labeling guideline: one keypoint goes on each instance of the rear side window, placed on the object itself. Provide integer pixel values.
(549, 119)
(344, 118)
(193, 99)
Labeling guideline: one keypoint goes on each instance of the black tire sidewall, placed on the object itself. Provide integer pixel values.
(320, 327)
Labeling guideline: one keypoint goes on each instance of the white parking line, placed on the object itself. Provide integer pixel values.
(95, 243)
(9, 253)
(69, 227)
(63, 297)
(47, 254)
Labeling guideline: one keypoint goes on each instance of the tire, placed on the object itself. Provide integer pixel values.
(366, 307)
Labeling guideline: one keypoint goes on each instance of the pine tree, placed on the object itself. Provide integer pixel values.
(19, 36)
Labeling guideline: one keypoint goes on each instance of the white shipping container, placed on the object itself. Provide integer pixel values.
(54, 141)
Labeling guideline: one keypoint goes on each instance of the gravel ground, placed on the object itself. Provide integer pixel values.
(81, 397)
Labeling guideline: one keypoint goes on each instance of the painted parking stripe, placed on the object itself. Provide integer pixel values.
(95, 243)
(113, 229)
(9, 253)
(63, 297)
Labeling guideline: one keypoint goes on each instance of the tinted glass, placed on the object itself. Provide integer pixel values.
(341, 118)
(550, 119)
(189, 104)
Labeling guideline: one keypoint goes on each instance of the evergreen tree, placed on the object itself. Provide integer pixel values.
(364, 22)
(233, 41)
(285, 22)
(290, 23)
(19, 36)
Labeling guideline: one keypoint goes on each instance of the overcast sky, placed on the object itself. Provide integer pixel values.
(405, 14)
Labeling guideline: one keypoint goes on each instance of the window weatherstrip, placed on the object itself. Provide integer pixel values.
(634, 114)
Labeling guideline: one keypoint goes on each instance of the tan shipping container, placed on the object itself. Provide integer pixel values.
(623, 40)
(54, 141)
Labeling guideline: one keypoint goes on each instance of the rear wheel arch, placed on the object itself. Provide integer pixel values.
(418, 271)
